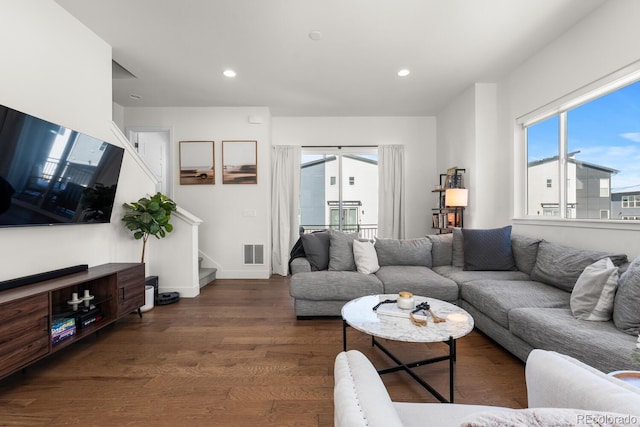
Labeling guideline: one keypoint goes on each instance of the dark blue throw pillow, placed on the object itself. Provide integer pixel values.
(488, 249)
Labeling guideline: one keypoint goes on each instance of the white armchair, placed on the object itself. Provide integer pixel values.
(553, 381)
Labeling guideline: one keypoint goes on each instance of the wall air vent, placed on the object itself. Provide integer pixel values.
(254, 254)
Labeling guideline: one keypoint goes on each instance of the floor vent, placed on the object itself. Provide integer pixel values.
(253, 254)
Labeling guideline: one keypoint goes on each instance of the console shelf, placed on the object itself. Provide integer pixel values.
(27, 313)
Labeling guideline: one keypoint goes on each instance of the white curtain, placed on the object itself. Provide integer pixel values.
(391, 191)
(285, 189)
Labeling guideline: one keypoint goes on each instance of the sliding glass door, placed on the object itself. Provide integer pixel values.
(339, 190)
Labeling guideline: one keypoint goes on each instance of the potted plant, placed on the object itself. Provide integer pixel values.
(149, 216)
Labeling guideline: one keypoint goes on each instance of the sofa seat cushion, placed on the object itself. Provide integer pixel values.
(460, 275)
(496, 298)
(418, 280)
(334, 285)
(600, 344)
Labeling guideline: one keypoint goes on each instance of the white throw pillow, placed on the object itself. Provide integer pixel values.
(366, 257)
(594, 293)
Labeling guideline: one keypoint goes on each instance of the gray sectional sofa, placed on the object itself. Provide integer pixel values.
(517, 288)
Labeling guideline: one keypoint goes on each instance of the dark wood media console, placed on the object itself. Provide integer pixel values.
(27, 313)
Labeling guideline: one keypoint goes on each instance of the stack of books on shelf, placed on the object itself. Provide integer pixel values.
(88, 317)
(443, 220)
(453, 178)
(62, 328)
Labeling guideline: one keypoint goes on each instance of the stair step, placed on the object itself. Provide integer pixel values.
(207, 275)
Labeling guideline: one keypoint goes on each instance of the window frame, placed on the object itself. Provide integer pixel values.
(560, 107)
(339, 152)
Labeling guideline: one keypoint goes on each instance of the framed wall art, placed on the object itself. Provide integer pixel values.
(239, 162)
(197, 162)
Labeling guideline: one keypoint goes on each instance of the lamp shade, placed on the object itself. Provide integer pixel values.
(456, 197)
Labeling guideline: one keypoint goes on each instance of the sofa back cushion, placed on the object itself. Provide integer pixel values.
(487, 249)
(457, 248)
(560, 265)
(626, 307)
(341, 251)
(441, 249)
(316, 249)
(404, 252)
(525, 250)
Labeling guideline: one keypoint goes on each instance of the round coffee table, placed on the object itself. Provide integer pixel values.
(391, 323)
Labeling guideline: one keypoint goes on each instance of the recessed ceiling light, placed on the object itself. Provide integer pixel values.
(134, 96)
(229, 73)
(315, 35)
(404, 72)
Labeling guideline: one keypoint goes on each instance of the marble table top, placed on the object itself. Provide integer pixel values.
(359, 314)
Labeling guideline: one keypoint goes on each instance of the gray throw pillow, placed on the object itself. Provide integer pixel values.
(488, 250)
(316, 249)
(626, 306)
(457, 257)
(592, 296)
(341, 251)
(404, 252)
(525, 250)
(441, 249)
(560, 265)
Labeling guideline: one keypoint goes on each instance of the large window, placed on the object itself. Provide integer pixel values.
(339, 190)
(583, 161)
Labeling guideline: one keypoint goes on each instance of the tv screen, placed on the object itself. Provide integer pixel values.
(50, 174)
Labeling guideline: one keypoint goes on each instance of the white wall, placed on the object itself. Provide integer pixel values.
(456, 145)
(468, 139)
(477, 130)
(417, 134)
(56, 69)
(224, 209)
(601, 44)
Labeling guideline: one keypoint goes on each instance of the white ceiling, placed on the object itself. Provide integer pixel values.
(177, 50)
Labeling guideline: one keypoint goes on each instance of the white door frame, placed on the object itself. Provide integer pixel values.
(131, 130)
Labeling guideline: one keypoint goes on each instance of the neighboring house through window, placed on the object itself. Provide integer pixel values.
(591, 148)
(350, 201)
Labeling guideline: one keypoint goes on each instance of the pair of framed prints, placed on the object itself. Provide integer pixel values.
(239, 162)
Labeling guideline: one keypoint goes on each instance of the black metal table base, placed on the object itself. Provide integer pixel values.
(407, 367)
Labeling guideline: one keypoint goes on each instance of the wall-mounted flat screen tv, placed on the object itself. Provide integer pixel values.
(50, 174)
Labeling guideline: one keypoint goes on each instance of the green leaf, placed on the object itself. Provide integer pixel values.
(146, 218)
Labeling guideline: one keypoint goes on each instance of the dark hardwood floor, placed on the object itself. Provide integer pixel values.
(234, 356)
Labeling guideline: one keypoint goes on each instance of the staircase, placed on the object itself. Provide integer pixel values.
(206, 275)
